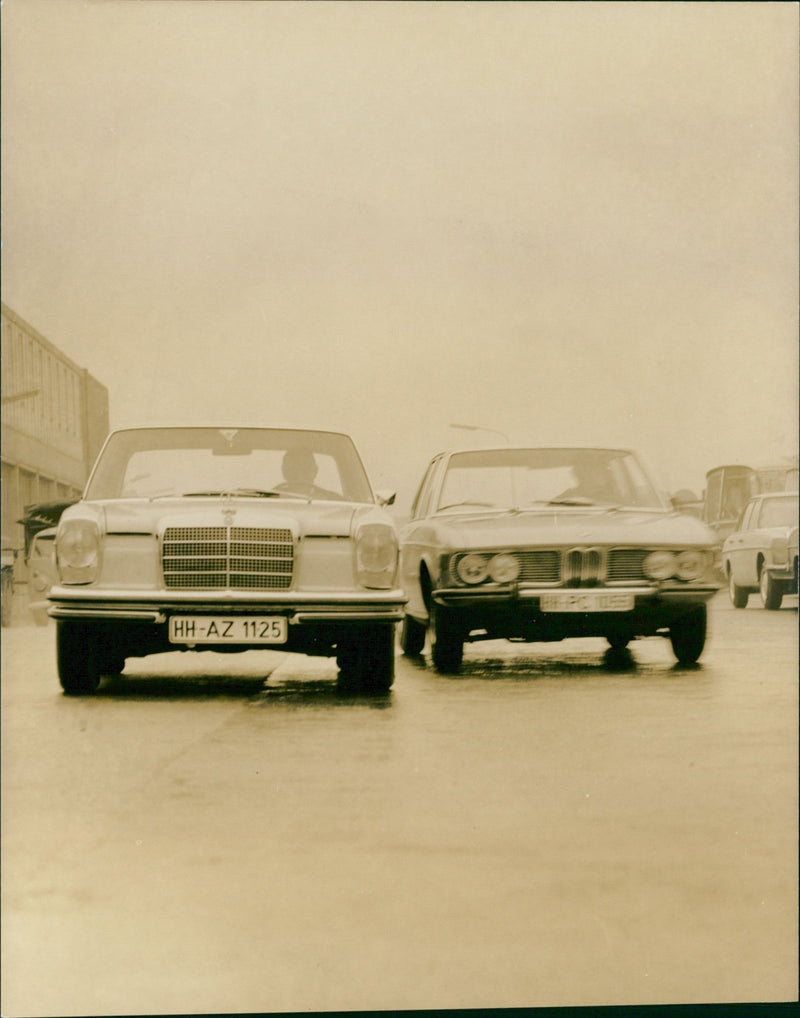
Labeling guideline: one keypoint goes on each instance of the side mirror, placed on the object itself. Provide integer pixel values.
(385, 496)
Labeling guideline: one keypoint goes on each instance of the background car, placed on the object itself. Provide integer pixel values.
(535, 544)
(40, 522)
(42, 573)
(9, 557)
(226, 539)
(761, 553)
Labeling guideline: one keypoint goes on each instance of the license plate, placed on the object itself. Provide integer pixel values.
(586, 602)
(227, 629)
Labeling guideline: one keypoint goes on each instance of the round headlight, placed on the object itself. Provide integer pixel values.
(77, 545)
(376, 555)
(659, 565)
(504, 568)
(78, 551)
(691, 565)
(472, 568)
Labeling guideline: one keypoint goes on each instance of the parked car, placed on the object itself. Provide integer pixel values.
(761, 553)
(227, 539)
(543, 544)
(42, 573)
(40, 522)
(728, 489)
(9, 557)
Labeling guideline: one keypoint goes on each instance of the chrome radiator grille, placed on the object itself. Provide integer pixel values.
(238, 558)
(625, 564)
(539, 566)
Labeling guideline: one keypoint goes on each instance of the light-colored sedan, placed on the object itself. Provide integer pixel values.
(227, 539)
(761, 553)
(536, 544)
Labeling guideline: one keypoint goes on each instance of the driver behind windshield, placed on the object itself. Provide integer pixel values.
(593, 482)
(299, 469)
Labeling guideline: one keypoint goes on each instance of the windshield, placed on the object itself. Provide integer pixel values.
(261, 462)
(778, 512)
(517, 478)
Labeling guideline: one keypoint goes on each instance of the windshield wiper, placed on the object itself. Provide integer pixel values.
(469, 501)
(233, 492)
(254, 493)
(579, 500)
(194, 494)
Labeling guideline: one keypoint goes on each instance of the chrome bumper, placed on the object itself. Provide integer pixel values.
(643, 596)
(783, 573)
(301, 609)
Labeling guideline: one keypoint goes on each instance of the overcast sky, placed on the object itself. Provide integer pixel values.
(575, 223)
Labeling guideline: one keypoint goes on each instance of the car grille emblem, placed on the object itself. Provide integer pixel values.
(228, 515)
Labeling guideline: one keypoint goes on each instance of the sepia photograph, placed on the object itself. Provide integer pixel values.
(399, 506)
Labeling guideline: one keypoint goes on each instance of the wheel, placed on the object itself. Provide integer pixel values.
(688, 635)
(78, 658)
(770, 590)
(617, 641)
(412, 636)
(447, 642)
(7, 596)
(738, 595)
(366, 661)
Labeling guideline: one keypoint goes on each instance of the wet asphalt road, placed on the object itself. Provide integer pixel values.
(547, 829)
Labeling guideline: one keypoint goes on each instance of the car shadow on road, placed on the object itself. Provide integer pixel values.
(171, 687)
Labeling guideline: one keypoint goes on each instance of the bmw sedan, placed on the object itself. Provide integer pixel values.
(541, 544)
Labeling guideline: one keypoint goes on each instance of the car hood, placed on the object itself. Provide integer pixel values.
(305, 519)
(560, 527)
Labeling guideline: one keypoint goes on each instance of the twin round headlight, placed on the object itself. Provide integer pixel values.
(686, 565)
(474, 568)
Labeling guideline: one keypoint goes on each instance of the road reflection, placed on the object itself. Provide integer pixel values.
(530, 667)
(213, 686)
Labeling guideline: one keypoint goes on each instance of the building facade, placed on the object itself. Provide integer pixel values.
(54, 421)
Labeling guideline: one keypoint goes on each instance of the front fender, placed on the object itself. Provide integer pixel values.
(414, 567)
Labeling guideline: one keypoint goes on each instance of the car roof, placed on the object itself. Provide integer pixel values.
(224, 426)
(531, 448)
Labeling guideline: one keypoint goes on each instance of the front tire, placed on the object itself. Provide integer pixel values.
(688, 635)
(78, 658)
(447, 642)
(366, 661)
(412, 637)
(770, 590)
(738, 595)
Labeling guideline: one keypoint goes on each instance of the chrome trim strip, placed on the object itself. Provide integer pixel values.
(389, 615)
(163, 598)
(127, 614)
